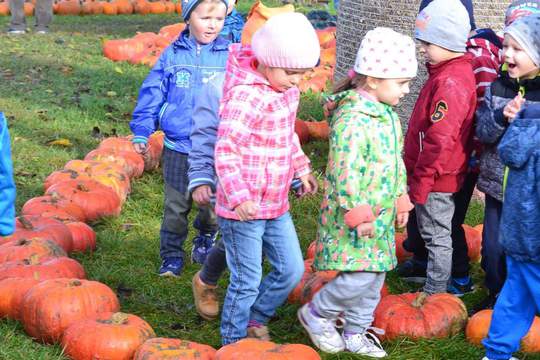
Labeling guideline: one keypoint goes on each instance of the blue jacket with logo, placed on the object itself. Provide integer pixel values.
(7, 185)
(519, 150)
(168, 94)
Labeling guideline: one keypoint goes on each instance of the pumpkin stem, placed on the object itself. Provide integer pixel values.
(75, 283)
(118, 318)
(27, 224)
(32, 260)
(82, 187)
(23, 242)
(420, 299)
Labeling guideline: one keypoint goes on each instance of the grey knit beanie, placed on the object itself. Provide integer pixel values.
(526, 31)
(444, 23)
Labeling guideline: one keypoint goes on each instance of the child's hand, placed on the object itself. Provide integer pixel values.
(328, 107)
(246, 210)
(140, 148)
(309, 184)
(513, 107)
(202, 195)
(366, 229)
(402, 218)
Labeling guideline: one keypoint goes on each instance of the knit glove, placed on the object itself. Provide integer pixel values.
(358, 215)
(404, 204)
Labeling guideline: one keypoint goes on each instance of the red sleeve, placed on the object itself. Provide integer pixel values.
(485, 72)
(448, 112)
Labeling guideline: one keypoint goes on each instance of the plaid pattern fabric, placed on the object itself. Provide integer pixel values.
(257, 151)
(175, 169)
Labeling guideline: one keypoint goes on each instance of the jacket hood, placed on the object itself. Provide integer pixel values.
(241, 69)
(523, 138)
(483, 36)
(361, 103)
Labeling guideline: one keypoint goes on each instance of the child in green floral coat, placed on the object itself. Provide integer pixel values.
(365, 190)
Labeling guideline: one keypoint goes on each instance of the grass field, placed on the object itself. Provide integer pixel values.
(60, 86)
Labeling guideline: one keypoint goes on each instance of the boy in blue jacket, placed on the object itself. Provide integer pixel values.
(166, 101)
(7, 185)
(234, 24)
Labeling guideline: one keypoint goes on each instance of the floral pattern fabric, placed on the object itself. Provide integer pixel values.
(364, 167)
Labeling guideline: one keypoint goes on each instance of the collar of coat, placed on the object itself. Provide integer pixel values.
(184, 42)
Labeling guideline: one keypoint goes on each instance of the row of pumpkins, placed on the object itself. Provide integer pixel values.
(417, 315)
(48, 291)
(107, 7)
(145, 48)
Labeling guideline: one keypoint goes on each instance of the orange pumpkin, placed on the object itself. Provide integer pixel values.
(12, 291)
(257, 16)
(310, 284)
(478, 327)
(91, 7)
(401, 253)
(417, 315)
(109, 8)
(474, 242)
(42, 268)
(318, 129)
(124, 7)
(33, 226)
(4, 8)
(96, 199)
(141, 7)
(265, 350)
(312, 249)
(107, 336)
(122, 49)
(52, 306)
(68, 7)
(131, 162)
(301, 129)
(157, 7)
(84, 237)
(25, 248)
(173, 349)
(47, 203)
(171, 32)
(326, 36)
(28, 8)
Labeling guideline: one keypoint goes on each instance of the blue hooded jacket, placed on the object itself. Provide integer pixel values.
(168, 94)
(232, 29)
(7, 185)
(519, 150)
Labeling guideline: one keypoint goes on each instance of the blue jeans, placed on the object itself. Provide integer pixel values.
(249, 298)
(514, 311)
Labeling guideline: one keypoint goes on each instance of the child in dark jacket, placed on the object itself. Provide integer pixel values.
(490, 127)
(166, 101)
(439, 137)
(234, 24)
(7, 185)
(519, 300)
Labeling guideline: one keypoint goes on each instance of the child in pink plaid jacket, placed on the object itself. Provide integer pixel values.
(256, 157)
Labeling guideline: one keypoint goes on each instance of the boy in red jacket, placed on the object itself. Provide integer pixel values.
(439, 138)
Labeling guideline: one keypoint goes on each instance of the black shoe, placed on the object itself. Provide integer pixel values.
(412, 271)
(487, 303)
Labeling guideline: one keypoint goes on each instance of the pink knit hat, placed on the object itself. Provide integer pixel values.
(287, 41)
(386, 54)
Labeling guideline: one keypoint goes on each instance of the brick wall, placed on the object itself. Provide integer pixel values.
(358, 16)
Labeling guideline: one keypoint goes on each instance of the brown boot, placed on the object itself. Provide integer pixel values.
(259, 332)
(205, 297)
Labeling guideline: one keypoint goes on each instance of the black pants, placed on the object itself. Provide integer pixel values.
(460, 259)
(493, 257)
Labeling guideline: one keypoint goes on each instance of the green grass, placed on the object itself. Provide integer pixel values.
(60, 86)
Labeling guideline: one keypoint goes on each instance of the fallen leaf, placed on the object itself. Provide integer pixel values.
(118, 70)
(111, 93)
(60, 142)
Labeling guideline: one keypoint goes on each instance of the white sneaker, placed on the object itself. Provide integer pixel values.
(322, 331)
(365, 344)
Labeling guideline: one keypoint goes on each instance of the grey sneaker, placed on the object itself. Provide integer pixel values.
(366, 344)
(322, 331)
(16, 32)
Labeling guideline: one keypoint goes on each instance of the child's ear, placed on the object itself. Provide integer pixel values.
(372, 83)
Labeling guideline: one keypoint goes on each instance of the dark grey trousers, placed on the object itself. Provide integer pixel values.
(43, 13)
